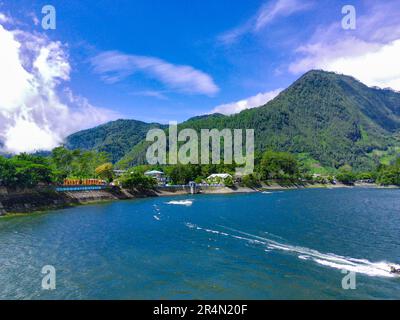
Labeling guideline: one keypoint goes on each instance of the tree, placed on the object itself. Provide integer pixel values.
(31, 174)
(345, 168)
(62, 159)
(278, 165)
(228, 182)
(26, 170)
(138, 181)
(389, 175)
(183, 174)
(7, 173)
(76, 163)
(250, 181)
(105, 171)
(366, 176)
(346, 177)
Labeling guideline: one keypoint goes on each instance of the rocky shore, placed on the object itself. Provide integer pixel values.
(42, 199)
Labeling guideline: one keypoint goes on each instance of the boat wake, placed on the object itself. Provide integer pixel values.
(157, 212)
(363, 266)
(181, 202)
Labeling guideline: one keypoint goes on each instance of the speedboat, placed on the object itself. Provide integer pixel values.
(394, 270)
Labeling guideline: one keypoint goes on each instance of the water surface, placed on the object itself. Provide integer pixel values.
(278, 245)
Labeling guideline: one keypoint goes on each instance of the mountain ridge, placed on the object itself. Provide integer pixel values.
(114, 137)
(334, 118)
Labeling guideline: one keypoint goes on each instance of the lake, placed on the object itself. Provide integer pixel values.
(278, 245)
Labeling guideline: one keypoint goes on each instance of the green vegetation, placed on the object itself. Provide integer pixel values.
(278, 165)
(331, 119)
(389, 174)
(137, 181)
(115, 138)
(31, 170)
(312, 166)
(28, 171)
(76, 163)
(183, 174)
(105, 171)
(324, 126)
(228, 182)
(385, 157)
(346, 175)
(25, 171)
(251, 181)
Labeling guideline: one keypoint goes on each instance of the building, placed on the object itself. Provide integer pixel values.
(158, 175)
(220, 175)
(218, 178)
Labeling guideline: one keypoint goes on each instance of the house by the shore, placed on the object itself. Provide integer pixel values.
(159, 176)
(218, 178)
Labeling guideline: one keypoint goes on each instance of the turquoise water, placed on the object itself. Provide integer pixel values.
(279, 245)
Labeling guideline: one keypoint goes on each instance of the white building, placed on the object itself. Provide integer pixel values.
(219, 175)
(218, 178)
(158, 175)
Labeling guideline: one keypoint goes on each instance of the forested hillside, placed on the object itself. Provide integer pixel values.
(116, 138)
(330, 119)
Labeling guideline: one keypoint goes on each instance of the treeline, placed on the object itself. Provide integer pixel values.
(279, 166)
(389, 174)
(184, 173)
(270, 165)
(383, 175)
(27, 170)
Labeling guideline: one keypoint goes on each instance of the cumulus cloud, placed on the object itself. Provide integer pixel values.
(266, 14)
(369, 53)
(115, 66)
(4, 18)
(248, 103)
(33, 115)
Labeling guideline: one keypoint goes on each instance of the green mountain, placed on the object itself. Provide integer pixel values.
(334, 118)
(330, 119)
(116, 138)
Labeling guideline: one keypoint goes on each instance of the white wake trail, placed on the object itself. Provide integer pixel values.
(364, 266)
(186, 203)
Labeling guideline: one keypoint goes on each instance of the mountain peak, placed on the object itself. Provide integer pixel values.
(333, 118)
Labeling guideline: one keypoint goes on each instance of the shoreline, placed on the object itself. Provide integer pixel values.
(35, 202)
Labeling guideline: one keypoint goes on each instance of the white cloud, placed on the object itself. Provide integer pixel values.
(370, 53)
(375, 68)
(281, 8)
(5, 19)
(115, 66)
(248, 103)
(32, 114)
(34, 18)
(234, 34)
(150, 93)
(266, 14)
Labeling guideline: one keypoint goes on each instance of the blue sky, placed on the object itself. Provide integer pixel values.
(171, 60)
